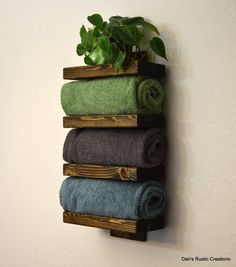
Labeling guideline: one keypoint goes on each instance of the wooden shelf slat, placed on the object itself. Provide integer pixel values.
(110, 121)
(106, 70)
(114, 172)
(122, 225)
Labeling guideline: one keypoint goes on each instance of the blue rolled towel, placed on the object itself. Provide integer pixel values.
(116, 199)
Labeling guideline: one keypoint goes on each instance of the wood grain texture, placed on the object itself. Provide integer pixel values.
(114, 172)
(123, 225)
(129, 226)
(110, 121)
(106, 70)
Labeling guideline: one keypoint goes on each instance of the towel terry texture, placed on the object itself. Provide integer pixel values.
(144, 148)
(116, 95)
(115, 199)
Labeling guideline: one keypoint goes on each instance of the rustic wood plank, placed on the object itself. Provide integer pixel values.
(114, 172)
(106, 70)
(110, 121)
(137, 237)
(123, 225)
(129, 226)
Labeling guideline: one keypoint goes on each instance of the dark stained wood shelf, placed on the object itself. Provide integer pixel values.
(110, 121)
(138, 236)
(122, 228)
(106, 70)
(114, 172)
(131, 229)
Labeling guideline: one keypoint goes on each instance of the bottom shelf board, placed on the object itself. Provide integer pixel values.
(118, 227)
(114, 172)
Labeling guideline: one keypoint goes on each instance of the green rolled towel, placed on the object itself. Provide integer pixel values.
(116, 95)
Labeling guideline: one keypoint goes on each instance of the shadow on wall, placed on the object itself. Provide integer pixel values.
(174, 231)
(172, 234)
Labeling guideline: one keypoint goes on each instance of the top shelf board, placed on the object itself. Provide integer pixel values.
(106, 70)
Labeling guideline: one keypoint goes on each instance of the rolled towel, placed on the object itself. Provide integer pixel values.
(116, 95)
(115, 199)
(142, 148)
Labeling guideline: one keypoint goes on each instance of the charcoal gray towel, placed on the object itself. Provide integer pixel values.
(142, 148)
(117, 199)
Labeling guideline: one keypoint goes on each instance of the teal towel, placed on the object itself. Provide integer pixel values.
(117, 199)
(116, 95)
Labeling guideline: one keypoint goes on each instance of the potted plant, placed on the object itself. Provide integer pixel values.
(117, 41)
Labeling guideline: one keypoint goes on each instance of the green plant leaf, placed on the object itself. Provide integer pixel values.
(111, 25)
(104, 43)
(150, 27)
(119, 60)
(87, 40)
(111, 53)
(129, 34)
(80, 50)
(158, 47)
(82, 31)
(88, 61)
(97, 56)
(124, 20)
(96, 32)
(111, 42)
(103, 27)
(95, 19)
(135, 21)
(114, 33)
(116, 19)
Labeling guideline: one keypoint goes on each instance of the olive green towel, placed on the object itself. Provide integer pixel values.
(116, 95)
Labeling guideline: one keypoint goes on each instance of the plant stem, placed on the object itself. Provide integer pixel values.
(144, 54)
(136, 52)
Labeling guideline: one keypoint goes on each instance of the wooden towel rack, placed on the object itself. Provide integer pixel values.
(123, 228)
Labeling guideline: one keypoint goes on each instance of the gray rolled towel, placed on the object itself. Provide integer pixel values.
(117, 199)
(142, 148)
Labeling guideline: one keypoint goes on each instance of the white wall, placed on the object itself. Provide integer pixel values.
(38, 39)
